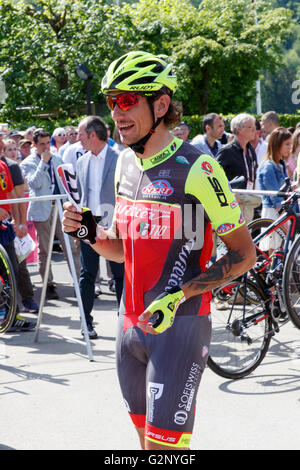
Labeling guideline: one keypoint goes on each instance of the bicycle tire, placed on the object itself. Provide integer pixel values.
(291, 283)
(243, 366)
(234, 354)
(8, 291)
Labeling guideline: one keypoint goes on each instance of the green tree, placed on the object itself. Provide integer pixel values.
(217, 49)
(43, 42)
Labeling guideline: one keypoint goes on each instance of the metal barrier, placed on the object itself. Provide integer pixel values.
(57, 210)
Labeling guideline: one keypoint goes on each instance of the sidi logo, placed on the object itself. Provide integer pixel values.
(296, 94)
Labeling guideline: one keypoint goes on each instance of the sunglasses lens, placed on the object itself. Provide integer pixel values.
(125, 101)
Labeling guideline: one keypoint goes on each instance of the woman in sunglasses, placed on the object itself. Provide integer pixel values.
(164, 236)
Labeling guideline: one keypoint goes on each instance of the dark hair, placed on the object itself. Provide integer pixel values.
(174, 114)
(40, 133)
(271, 116)
(276, 139)
(97, 125)
(208, 120)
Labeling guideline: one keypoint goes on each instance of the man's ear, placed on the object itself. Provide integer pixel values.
(161, 105)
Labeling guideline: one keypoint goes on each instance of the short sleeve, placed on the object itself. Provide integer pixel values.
(208, 183)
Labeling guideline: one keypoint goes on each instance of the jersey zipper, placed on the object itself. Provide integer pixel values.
(132, 235)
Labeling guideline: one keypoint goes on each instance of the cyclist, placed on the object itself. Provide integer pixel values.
(168, 196)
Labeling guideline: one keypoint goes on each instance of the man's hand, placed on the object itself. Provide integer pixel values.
(160, 314)
(84, 228)
(45, 156)
(21, 230)
(71, 218)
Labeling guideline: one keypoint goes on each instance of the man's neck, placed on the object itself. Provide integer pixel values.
(243, 143)
(157, 142)
(211, 140)
(98, 147)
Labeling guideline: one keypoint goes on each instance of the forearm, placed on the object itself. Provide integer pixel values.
(109, 246)
(240, 257)
(227, 268)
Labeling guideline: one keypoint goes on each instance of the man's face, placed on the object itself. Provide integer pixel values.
(84, 137)
(25, 149)
(134, 123)
(16, 138)
(266, 126)
(72, 135)
(247, 132)
(43, 144)
(217, 129)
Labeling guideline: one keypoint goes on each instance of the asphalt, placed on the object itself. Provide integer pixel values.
(52, 397)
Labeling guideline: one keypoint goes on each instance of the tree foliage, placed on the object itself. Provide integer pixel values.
(217, 48)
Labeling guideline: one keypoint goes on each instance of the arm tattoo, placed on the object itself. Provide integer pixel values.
(218, 274)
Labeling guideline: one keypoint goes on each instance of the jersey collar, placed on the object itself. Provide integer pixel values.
(164, 154)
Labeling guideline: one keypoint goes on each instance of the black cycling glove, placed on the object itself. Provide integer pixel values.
(88, 229)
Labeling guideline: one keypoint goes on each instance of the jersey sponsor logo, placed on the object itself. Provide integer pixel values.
(158, 188)
(207, 168)
(154, 212)
(161, 156)
(223, 228)
(180, 265)
(234, 204)
(219, 191)
(241, 219)
(182, 159)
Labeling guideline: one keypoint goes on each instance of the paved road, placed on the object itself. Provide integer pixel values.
(53, 397)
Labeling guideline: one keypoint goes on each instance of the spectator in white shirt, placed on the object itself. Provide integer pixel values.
(258, 143)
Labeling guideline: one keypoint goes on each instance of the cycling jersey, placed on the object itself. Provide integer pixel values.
(166, 206)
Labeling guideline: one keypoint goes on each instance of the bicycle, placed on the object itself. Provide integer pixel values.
(261, 299)
(8, 292)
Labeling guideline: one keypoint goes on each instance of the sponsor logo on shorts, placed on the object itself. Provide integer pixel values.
(154, 392)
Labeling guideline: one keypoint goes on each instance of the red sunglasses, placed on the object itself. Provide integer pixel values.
(125, 101)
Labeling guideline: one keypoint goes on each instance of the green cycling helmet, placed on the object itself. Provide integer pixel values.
(139, 71)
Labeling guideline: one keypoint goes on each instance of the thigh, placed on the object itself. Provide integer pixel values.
(132, 362)
(178, 359)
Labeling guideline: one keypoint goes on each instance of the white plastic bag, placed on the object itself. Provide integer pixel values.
(24, 246)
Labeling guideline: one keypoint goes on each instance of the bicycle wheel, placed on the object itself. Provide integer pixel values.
(291, 283)
(275, 240)
(8, 292)
(241, 334)
(255, 228)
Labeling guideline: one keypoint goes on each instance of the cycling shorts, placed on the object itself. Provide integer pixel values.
(159, 377)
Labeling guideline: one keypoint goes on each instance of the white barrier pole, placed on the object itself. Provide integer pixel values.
(47, 269)
(57, 209)
(76, 286)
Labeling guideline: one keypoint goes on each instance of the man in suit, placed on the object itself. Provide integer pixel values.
(95, 180)
(40, 169)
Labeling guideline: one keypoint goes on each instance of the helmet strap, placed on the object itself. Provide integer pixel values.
(139, 146)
